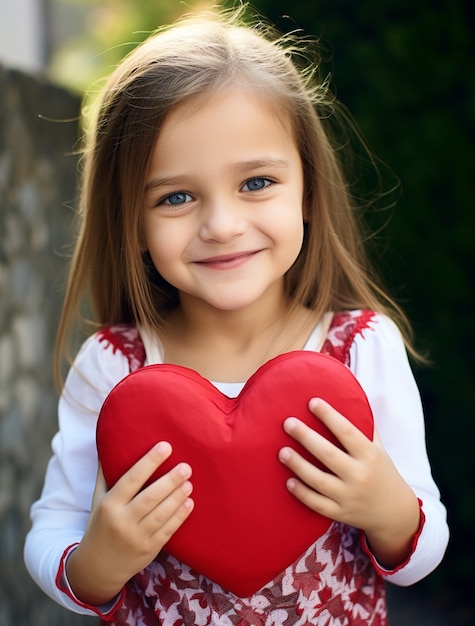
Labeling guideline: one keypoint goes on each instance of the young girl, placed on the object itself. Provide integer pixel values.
(217, 232)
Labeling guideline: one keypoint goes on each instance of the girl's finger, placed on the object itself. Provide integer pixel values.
(313, 499)
(329, 454)
(134, 479)
(163, 497)
(349, 436)
(100, 487)
(165, 525)
(319, 480)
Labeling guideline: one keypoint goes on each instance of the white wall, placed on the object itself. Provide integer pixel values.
(21, 34)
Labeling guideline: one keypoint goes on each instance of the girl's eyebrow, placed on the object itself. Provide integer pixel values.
(258, 163)
(242, 166)
(159, 181)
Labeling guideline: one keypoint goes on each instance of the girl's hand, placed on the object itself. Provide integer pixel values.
(128, 527)
(362, 487)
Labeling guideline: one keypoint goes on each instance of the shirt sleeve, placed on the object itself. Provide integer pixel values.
(379, 362)
(60, 516)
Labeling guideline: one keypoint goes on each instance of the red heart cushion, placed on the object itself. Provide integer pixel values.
(246, 527)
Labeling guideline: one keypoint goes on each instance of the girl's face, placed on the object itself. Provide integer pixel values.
(223, 219)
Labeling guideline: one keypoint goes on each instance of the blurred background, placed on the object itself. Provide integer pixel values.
(404, 69)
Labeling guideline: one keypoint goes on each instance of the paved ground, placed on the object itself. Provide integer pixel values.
(408, 607)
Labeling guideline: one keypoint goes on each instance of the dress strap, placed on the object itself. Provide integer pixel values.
(334, 336)
(126, 339)
(344, 328)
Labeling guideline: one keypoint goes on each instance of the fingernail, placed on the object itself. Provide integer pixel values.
(284, 454)
(188, 504)
(291, 484)
(314, 403)
(184, 470)
(290, 423)
(163, 447)
(187, 488)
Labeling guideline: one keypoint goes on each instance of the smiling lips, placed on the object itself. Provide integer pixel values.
(227, 261)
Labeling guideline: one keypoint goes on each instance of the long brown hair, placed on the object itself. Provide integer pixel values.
(194, 57)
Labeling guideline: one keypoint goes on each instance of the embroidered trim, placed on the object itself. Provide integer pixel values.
(343, 330)
(415, 539)
(126, 339)
(106, 615)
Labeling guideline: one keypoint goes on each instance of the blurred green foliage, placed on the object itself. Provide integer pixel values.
(405, 71)
(105, 31)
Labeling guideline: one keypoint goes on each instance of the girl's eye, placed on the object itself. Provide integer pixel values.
(256, 184)
(176, 199)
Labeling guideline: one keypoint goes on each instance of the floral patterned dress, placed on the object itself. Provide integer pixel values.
(334, 583)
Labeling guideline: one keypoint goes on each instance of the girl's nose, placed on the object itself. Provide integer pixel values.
(222, 221)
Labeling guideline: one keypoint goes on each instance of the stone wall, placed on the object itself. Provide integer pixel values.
(38, 131)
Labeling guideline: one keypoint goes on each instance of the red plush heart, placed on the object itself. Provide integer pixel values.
(246, 527)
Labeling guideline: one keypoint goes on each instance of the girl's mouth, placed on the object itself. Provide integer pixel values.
(227, 261)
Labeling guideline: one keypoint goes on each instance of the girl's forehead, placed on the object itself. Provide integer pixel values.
(228, 101)
(227, 128)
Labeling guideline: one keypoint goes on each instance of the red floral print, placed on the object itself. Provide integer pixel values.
(332, 584)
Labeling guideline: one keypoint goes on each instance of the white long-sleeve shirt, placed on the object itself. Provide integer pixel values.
(377, 359)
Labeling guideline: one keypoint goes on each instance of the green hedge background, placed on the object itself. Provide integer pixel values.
(405, 71)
